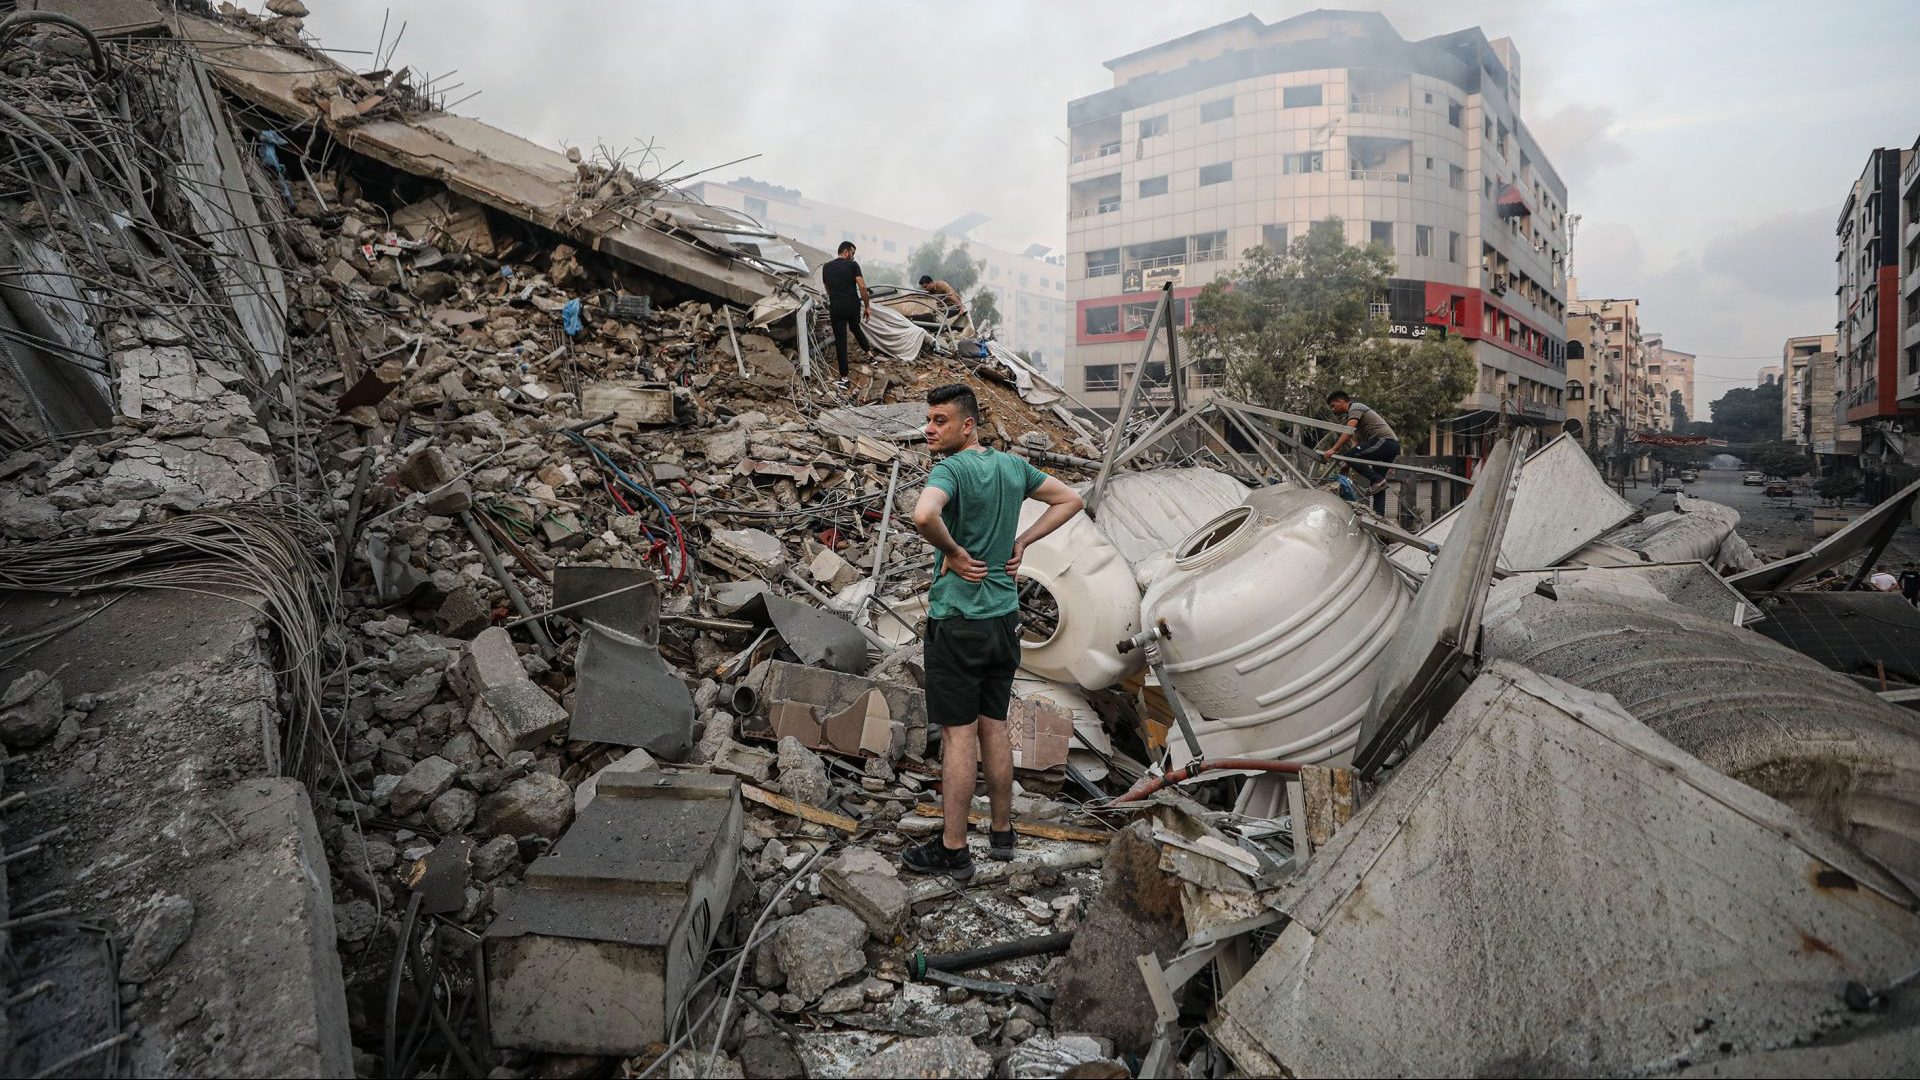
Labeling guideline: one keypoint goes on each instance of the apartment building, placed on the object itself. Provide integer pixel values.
(1767, 376)
(1028, 286)
(1677, 371)
(1246, 133)
(1668, 370)
(1870, 293)
(1807, 411)
(1590, 404)
(1909, 277)
(1622, 358)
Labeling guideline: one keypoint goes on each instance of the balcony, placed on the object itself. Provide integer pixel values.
(1380, 175)
(1093, 211)
(1106, 150)
(1368, 108)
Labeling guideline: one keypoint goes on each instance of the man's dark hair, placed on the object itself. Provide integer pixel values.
(926, 280)
(959, 394)
(846, 246)
(1338, 395)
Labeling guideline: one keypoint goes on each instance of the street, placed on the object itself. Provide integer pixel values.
(1775, 528)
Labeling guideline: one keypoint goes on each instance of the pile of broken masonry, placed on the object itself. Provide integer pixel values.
(614, 727)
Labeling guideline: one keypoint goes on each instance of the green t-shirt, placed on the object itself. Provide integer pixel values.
(984, 491)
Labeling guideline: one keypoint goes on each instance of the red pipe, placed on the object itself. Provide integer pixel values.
(1150, 784)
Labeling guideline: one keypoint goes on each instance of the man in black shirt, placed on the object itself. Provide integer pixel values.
(1910, 584)
(848, 302)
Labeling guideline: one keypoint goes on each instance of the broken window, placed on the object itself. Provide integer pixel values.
(1153, 185)
(1100, 377)
(1274, 237)
(1104, 262)
(1381, 232)
(1137, 317)
(1294, 97)
(1216, 174)
(1208, 246)
(1153, 125)
(1310, 161)
(1455, 113)
(1423, 240)
(1216, 110)
(1103, 320)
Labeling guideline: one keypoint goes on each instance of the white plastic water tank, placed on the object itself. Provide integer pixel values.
(1098, 603)
(1277, 624)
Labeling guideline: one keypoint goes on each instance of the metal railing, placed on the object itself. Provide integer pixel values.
(1108, 150)
(1157, 263)
(1370, 109)
(1090, 211)
(1210, 255)
(1107, 270)
(1379, 174)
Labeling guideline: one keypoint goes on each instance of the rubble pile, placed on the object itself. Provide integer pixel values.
(596, 724)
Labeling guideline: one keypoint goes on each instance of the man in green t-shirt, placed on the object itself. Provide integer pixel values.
(970, 513)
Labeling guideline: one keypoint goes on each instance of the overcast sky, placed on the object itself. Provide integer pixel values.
(1706, 145)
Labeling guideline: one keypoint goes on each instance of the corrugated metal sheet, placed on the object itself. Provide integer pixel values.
(1562, 504)
(1547, 888)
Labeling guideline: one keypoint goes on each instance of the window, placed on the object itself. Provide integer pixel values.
(1429, 164)
(1455, 112)
(1216, 174)
(1208, 246)
(1423, 240)
(1486, 187)
(1486, 125)
(1153, 125)
(1154, 373)
(1103, 320)
(1153, 185)
(1429, 98)
(1309, 162)
(757, 207)
(888, 246)
(1102, 263)
(1275, 238)
(1453, 246)
(846, 236)
(1100, 377)
(1216, 110)
(1381, 232)
(1294, 97)
(1023, 279)
(1456, 178)
(1378, 311)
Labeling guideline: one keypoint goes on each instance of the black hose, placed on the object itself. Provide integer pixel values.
(920, 963)
(11, 26)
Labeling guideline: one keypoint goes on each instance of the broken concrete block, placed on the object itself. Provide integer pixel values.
(505, 708)
(819, 948)
(425, 469)
(452, 810)
(23, 517)
(803, 775)
(726, 446)
(864, 727)
(750, 763)
(596, 950)
(867, 884)
(757, 552)
(31, 710)
(162, 930)
(831, 693)
(536, 805)
(495, 857)
(1137, 912)
(463, 613)
(931, 1055)
(422, 784)
(409, 697)
(829, 569)
(634, 761)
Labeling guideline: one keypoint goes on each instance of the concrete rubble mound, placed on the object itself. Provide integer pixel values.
(453, 622)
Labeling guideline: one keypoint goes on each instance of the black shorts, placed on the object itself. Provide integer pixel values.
(970, 665)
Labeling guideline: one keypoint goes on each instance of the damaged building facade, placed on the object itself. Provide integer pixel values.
(451, 624)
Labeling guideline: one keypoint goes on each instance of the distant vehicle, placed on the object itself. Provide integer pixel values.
(1778, 489)
(1753, 479)
(1689, 476)
(1671, 487)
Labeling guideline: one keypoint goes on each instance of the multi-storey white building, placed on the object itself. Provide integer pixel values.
(1246, 133)
(1028, 287)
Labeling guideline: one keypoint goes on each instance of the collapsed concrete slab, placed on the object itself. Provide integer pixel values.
(1543, 832)
(595, 951)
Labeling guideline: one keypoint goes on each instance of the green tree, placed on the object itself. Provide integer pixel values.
(1677, 405)
(1676, 458)
(956, 265)
(1748, 414)
(985, 311)
(1780, 459)
(1837, 488)
(885, 273)
(1294, 325)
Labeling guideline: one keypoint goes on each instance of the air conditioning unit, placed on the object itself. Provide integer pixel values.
(1499, 284)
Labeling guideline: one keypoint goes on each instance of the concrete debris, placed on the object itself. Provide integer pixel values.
(591, 623)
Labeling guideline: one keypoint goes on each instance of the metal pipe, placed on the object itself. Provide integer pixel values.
(741, 698)
(1150, 784)
(966, 959)
(886, 522)
(1119, 433)
(826, 601)
(499, 569)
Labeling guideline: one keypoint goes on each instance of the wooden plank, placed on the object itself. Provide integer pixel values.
(1026, 828)
(799, 809)
(1329, 797)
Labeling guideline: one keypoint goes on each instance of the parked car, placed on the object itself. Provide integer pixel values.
(1671, 487)
(1753, 479)
(1689, 476)
(1778, 489)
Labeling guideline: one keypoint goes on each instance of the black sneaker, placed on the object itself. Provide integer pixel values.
(1002, 844)
(935, 857)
